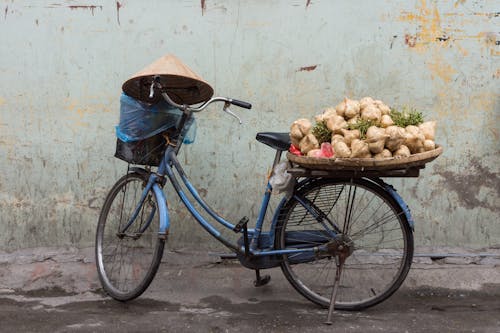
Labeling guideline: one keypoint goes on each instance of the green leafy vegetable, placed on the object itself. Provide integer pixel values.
(362, 125)
(407, 116)
(321, 132)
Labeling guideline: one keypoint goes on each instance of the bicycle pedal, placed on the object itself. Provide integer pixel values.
(240, 225)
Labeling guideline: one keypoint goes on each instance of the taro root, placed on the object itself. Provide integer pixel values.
(327, 113)
(352, 108)
(386, 153)
(428, 129)
(314, 153)
(371, 112)
(360, 149)
(429, 145)
(365, 101)
(403, 151)
(353, 120)
(414, 139)
(350, 135)
(337, 137)
(341, 149)
(386, 121)
(375, 137)
(396, 137)
(299, 129)
(384, 109)
(348, 108)
(309, 142)
(336, 124)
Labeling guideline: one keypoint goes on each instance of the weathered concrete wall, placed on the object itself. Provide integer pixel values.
(62, 65)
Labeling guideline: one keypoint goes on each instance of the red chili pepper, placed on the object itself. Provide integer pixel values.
(294, 150)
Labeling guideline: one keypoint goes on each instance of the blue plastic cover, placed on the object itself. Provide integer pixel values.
(139, 121)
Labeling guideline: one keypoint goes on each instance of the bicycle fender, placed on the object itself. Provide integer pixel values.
(404, 207)
(162, 210)
(139, 171)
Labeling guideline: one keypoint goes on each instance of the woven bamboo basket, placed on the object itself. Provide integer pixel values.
(391, 163)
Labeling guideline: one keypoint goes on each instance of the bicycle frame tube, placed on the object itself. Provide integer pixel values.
(170, 161)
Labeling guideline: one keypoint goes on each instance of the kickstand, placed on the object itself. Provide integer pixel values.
(339, 263)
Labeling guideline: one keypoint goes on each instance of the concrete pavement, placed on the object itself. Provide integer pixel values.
(194, 292)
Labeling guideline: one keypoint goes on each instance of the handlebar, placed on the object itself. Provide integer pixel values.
(156, 84)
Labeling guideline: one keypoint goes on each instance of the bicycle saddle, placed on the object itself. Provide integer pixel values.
(278, 141)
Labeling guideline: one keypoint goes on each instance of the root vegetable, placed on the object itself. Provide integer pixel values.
(386, 153)
(336, 124)
(375, 137)
(428, 129)
(341, 149)
(429, 145)
(350, 135)
(365, 101)
(396, 137)
(386, 121)
(327, 113)
(414, 139)
(403, 151)
(353, 120)
(360, 149)
(371, 112)
(309, 142)
(382, 107)
(337, 137)
(314, 153)
(352, 108)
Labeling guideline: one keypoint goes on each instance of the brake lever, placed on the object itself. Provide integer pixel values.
(152, 89)
(155, 81)
(226, 110)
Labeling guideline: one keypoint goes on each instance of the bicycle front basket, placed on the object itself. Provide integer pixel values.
(143, 152)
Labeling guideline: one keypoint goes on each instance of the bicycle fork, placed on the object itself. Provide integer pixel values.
(151, 188)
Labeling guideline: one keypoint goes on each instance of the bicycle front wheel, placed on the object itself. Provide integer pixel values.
(128, 257)
(370, 219)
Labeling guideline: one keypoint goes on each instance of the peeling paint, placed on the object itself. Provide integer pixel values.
(91, 8)
(410, 40)
(429, 22)
(308, 2)
(118, 6)
(307, 68)
(203, 7)
(496, 75)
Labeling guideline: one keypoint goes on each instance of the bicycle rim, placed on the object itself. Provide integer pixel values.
(378, 228)
(127, 261)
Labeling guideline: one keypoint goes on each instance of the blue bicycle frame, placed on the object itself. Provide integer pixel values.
(167, 166)
(169, 163)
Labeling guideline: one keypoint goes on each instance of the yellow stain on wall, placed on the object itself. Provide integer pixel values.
(439, 68)
(429, 22)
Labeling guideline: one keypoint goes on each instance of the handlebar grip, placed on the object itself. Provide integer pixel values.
(241, 104)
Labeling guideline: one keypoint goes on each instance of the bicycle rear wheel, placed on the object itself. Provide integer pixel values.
(368, 217)
(127, 260)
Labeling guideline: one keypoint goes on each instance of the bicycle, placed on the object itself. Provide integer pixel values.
(343, 240)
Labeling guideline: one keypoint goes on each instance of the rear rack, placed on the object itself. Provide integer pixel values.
(299, 172)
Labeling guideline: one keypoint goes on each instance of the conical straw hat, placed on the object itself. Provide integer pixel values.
(183, 85)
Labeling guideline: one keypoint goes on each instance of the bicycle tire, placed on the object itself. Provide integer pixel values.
(382, 237)
(126, 264)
